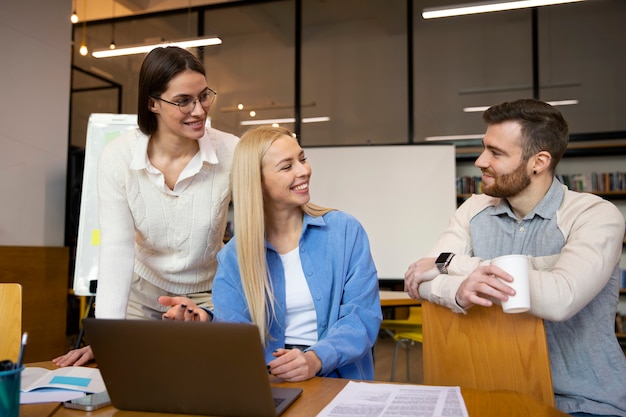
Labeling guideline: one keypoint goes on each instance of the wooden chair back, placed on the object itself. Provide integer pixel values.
(486, 349)
(10, 320)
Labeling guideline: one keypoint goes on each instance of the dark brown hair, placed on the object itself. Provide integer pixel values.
(157, 69)
(543, 126)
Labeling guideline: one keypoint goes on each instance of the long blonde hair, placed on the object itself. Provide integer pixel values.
(250, 222)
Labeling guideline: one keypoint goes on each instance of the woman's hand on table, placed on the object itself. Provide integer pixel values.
(75, 357)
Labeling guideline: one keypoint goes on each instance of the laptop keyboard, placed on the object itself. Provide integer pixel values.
(277, 401)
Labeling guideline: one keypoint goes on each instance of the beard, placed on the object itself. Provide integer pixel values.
(508, 185)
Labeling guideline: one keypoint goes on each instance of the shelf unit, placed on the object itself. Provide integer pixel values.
(585, 145)
(614, 195)
(580, 145)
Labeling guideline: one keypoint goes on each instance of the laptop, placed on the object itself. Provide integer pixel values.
(215, 369)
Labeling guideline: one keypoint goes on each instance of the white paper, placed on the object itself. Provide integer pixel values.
(359, 399)
(49, 395)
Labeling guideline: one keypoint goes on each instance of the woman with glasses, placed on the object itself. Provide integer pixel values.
(163, 194)
(303, 274)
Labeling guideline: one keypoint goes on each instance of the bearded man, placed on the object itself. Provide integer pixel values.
(573, 241)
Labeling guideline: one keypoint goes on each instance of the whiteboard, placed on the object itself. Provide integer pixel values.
(101, 129)
(403, 195)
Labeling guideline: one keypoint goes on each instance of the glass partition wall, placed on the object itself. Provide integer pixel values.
(464, 63)
(354, 72)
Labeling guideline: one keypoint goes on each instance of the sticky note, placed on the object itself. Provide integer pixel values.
(95, 237)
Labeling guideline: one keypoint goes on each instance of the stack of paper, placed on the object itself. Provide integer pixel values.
(381, 400)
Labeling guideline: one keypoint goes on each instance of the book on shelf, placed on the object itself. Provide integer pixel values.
(469, 185)
(595, 182)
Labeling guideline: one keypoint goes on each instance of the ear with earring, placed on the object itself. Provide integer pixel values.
(534, 171)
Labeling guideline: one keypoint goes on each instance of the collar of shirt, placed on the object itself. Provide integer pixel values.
(141, 161)
(546, 208)
(140, 156)
(306, 222)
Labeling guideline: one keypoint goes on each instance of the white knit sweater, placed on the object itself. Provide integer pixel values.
(169, 240)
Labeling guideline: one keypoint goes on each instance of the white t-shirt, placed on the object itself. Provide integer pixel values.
(301, 318)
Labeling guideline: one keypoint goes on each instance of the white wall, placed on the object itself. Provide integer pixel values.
(35, 38)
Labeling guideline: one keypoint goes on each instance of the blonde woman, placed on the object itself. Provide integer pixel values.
(303, 274)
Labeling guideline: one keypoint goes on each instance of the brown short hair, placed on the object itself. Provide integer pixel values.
(543, 126)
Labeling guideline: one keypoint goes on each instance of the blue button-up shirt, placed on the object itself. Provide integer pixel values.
(341, 275)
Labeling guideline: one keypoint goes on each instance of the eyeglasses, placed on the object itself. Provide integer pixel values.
(188, 104)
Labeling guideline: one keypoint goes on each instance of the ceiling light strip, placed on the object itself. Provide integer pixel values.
(140, 49)
(475, 109)
(454, 137)
(285, 120)
(487, 6)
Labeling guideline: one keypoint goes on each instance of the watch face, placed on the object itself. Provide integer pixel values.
(443, 258)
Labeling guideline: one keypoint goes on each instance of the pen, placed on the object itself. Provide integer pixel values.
(20, 358)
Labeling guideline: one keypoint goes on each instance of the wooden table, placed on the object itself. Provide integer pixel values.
(397, 299)
(318, 392)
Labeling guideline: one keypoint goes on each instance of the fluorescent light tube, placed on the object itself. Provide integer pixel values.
(285, 120)
(455, 137)
(552, 103)
(486, 6)
(140, 49)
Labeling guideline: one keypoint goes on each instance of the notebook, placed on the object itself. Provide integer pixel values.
(215, 369)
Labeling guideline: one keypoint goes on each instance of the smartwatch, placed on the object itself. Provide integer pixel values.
(443, 260)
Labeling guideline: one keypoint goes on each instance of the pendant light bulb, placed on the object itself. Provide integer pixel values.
(74, 17)
(112, 45)
(83, 45)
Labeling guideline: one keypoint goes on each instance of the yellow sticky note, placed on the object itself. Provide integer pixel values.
(95, 237)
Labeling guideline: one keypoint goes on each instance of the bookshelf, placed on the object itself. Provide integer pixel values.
(589, 183)
(599, 153)
(580, 145)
